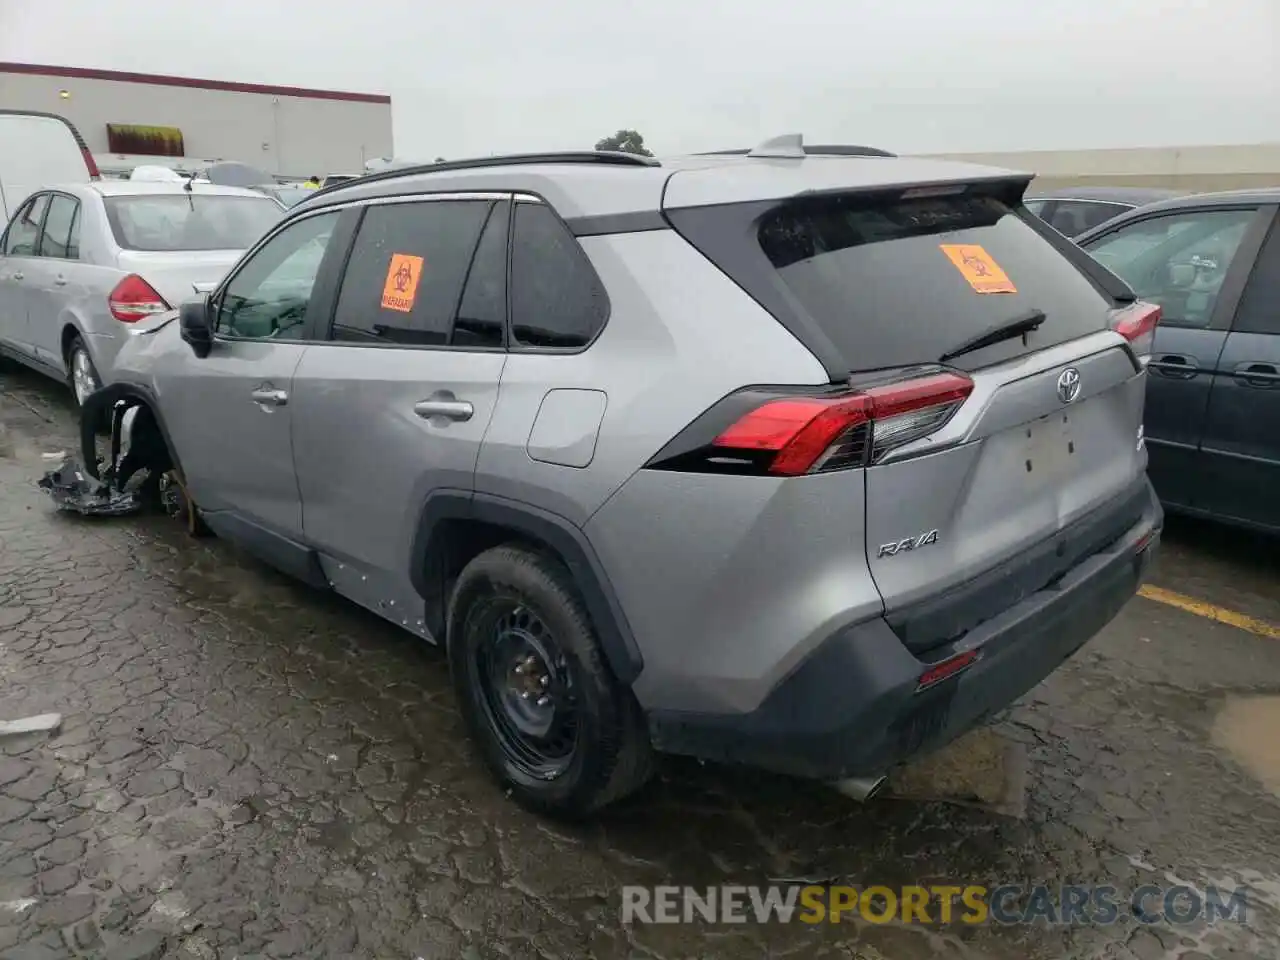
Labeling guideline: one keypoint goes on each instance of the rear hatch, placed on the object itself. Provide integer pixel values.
(1000, 437)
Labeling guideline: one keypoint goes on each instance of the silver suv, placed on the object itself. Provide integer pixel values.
(809, 459)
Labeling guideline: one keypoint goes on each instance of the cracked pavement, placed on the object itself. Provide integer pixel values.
(250, 768)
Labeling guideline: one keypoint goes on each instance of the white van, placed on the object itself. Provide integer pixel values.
(36, 150)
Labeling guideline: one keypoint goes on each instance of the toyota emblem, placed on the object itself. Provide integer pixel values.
(1068, 384)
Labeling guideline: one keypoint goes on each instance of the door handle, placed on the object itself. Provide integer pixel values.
(1176, 366)
(459, 410)
(275, 398)
(1257, 374)
(60, 281)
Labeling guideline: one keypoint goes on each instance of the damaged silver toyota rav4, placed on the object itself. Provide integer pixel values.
(804, 458)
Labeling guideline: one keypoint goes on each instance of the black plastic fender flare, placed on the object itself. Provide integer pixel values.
(617, 641)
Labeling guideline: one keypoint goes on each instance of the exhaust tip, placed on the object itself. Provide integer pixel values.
(861, 789)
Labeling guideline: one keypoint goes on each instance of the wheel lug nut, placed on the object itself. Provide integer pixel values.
(543, 700)
(520, 668)
(526, 695)
(545, 681)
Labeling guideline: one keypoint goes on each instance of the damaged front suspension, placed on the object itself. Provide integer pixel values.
(137, 472)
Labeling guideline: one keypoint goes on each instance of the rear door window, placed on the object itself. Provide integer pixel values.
(1259, 309)
(482, 314)
(907, 281)
(405, 277)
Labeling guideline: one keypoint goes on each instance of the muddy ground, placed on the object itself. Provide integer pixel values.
(249, 768)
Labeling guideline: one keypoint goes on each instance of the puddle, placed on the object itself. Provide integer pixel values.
(1246, 728)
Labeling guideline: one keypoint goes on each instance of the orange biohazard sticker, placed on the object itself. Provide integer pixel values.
(978, 267)
(401, 286)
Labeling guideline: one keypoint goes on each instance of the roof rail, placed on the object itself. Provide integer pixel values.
(614, 157)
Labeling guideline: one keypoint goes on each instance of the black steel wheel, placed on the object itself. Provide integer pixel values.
(553, 725)
(527, 690)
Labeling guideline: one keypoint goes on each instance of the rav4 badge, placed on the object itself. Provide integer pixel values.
(911, 543)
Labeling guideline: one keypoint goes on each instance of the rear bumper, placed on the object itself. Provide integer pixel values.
(853, 708)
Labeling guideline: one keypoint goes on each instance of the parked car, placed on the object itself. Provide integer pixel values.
(37, 149)
(81, 262)
(1074, 210)
(1213, 398)
(809, 465)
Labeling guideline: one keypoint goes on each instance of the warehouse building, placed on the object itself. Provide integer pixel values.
(291, 132)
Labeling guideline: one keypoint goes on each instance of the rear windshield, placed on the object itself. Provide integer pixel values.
(171, 222)
(909, 281)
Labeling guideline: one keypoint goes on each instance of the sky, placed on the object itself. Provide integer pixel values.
(488, 76)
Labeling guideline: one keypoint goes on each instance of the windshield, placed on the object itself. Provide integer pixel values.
(172, 222)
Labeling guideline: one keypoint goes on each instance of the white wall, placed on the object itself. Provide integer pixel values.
(280, 134)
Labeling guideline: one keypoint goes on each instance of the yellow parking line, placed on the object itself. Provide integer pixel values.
(1211, 611)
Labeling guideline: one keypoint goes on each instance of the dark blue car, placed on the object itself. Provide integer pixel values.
(1213, 397)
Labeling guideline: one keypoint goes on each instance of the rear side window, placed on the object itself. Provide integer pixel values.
(405, 276)
(907, 281)
(557, 300)
(58, 226)
(189, 221)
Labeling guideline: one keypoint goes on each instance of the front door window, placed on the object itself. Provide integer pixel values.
(1178, 261)
(269, 296)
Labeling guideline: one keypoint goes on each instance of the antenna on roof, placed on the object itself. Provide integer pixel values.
(789, 146)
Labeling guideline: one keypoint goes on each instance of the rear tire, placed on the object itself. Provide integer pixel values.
(555, 728)
(82, 375)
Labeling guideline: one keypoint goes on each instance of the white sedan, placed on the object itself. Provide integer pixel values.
(80, 263)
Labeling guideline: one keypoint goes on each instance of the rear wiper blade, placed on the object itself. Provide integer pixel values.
(1018, 327)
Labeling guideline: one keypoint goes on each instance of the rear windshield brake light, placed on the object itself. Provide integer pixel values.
(791, 436)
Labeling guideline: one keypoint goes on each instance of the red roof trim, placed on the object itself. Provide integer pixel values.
(88, 73)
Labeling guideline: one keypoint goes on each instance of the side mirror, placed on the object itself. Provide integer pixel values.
(197, 326)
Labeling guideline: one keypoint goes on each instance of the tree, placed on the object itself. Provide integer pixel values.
(625, 141)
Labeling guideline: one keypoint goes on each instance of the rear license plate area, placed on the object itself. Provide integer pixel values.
(1049, 450)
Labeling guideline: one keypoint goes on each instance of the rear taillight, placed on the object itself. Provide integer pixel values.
(134, 299)
(793, 435)
(1137, 324)
(90, 163)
